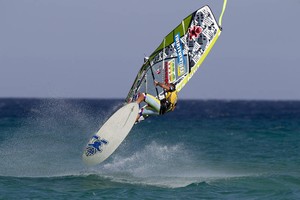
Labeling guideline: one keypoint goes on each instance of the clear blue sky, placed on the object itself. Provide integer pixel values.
(93, 49)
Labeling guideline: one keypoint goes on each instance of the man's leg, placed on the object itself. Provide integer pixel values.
(141, 98)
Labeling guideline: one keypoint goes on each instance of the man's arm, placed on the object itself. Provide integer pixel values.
(162, 85)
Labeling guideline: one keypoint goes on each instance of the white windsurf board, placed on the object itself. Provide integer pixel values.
(110, 135)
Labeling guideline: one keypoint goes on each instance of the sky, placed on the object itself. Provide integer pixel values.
(94, 48)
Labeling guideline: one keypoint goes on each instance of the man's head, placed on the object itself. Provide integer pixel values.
(172, 87)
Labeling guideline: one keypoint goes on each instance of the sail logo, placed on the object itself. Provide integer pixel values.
(194, 32)
(170, 75)
(180, 56)
(95, 146)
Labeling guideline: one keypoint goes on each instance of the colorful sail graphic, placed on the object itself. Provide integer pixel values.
(179, 55)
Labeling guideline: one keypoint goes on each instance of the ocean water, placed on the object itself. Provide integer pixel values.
(203, 150)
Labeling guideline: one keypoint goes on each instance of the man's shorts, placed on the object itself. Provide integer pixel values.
(153, 106)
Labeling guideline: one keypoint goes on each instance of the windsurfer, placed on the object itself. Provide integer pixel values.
(155, 106)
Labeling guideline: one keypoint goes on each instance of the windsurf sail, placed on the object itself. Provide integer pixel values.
(179, 55)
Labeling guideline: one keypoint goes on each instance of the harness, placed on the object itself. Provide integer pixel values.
(165, 104)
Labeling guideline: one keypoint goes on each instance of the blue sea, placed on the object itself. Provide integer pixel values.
(203, 150)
